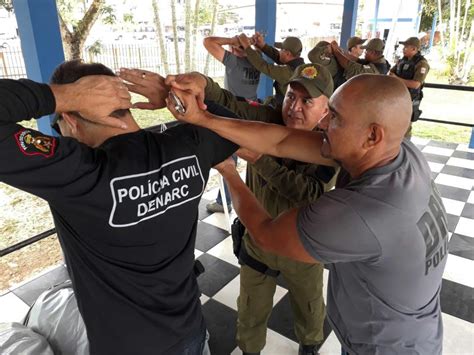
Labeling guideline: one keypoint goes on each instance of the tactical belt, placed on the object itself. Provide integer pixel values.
(246, 259)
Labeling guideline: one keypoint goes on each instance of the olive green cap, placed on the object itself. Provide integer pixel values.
(412, 41)
(315, 78)
(292, 44)
(375, 44)
(313, 54)
(354, 41)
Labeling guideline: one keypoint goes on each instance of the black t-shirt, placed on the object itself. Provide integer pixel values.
(126, 215)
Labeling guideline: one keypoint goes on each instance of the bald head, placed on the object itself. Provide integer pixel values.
(380, 99)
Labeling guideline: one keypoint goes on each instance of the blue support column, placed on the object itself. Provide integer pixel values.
(265, 21)
(471, 142)
(41, 43)
(349, 20)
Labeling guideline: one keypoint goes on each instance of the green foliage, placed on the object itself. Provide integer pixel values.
(430, 8)
(95, 48)
(7, 5)
(108, 15)
(128, 17)
(205, 13)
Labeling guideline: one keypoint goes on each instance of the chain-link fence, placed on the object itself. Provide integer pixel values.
(115, 56)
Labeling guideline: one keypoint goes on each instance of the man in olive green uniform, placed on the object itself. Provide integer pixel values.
(374, 61)
(354, 47)
(412, 69)
(322, 54)
(287, 59)
(280, 184)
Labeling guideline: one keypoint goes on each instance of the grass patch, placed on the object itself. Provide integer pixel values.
(441, 132)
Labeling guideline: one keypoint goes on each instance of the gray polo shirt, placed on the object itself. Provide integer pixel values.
(241, 78)
(384, 236)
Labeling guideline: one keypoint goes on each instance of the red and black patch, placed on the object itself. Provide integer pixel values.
(35, 143)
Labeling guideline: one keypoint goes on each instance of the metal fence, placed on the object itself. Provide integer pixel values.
(115, 56)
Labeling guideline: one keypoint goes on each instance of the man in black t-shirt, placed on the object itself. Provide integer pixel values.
(124, 202)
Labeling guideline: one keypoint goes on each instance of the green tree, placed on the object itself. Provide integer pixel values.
(187, 36)
(74, 31)
(456, 26)
(7, 5)
(215, 5)
(195, 27)
(174, 24)
(159, 37)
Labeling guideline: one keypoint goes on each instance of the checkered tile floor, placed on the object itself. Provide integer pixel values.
(452, 167)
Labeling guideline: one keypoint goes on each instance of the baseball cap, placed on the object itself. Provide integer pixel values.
(375, 44)
(292, 44)
(354, 41)
(412, 41)
(315, 78)
(313, 54)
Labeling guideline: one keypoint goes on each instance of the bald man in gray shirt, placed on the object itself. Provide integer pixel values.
(382, 231)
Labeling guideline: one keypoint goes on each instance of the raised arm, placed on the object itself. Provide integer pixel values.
(341, 58)
(214, 45)
(93, 96)
(259, 137)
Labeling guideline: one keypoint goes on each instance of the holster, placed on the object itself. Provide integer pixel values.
(238, 230)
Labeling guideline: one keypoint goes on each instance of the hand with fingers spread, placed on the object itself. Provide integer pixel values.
(94, 97)
(193, 83)
(249, 155)
(193, 114)
(146, 83)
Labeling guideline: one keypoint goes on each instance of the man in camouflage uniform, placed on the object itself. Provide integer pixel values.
(287, 59)
(322, 54)
(374, 61)
(412, 69)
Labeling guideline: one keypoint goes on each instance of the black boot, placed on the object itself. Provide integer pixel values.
(308, 350)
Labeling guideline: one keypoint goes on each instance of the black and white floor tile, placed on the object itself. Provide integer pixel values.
(452, 166)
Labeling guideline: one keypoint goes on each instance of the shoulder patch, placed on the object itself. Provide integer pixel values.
(366, 66)
(35, 143)
(423, 70)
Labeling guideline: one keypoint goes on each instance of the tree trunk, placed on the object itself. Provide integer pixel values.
(215, 5)
(175, 35)
(187, 36)
(160, 38)
(195, 26)
(468, 59)
(74, 41)
(441, 32)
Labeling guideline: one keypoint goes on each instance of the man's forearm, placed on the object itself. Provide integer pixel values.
(277, 236)
(270, 139)
(411, 84)
(24, 99)
(247, 207)
(341, 59)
